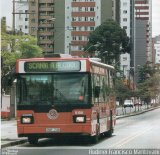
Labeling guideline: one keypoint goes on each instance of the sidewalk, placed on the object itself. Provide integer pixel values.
(9, 134)
(9, 130)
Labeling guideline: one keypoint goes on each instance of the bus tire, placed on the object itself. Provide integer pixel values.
(94, 139)
(33, 140)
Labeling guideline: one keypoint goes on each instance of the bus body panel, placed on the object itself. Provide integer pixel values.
(98, 117)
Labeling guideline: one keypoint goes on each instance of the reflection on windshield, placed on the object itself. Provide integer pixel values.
(52, 89)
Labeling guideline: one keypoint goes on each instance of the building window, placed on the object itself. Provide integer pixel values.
(26, 19)
(91, 28)
(33, 20)
(26, 27)
(124, 58)
(74, 28)
(124, 11)
(125, 19)
(80, 9)
(125, 27)
(74, 38)
(80, 28)
(92, 9)
(86, 9)
(86, 28)
(86, 18)
(79, 37)
(80, 19)
(73, 19)
(91, 19)
(80, 48)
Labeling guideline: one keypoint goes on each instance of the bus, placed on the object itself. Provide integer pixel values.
(63, 95)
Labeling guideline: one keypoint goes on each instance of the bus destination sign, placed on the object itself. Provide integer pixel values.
(52, 66)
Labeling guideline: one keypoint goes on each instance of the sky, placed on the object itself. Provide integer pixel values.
(6, 10)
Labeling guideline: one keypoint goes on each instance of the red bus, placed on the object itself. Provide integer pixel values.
(64, 96)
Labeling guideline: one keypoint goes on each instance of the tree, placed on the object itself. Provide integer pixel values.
(122, 91)
(113, 41)
(145, 72)
(14, 47)
(150, 88)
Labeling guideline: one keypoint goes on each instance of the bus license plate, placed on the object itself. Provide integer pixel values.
(54, 130)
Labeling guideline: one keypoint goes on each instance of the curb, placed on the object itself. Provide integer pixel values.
(17, 142)
(137, 113)
(13, 143)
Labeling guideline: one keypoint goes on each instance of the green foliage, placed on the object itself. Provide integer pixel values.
(145, 72)
(112, 39)
(28, 48)
(150, 88)
(14, 47)
(122, 91)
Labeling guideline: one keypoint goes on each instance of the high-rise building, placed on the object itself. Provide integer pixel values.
(76, 19)
(125, 16)
(143, 34)
(63, 26)
(143, 14)
(41, 23)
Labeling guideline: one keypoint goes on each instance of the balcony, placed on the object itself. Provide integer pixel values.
(46, 9)
(46, 25)
(46, 17)
(47, 50)
(46, 33)
(46, 1)
(45, 41)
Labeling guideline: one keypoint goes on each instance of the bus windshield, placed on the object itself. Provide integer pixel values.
(52, 89)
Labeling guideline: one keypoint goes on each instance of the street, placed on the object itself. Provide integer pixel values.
(138, 132)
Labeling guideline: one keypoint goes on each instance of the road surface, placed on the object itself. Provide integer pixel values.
(138, 132)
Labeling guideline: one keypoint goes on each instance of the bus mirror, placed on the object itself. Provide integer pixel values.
(97, 91)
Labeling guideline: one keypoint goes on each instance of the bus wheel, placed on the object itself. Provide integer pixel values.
(94, 139)
(33, 140)
(108, 133)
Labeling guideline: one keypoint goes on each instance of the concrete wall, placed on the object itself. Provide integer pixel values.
(106, 10)
(140, 44)
(59, 26)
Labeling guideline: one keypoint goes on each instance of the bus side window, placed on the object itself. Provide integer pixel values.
(96, 91)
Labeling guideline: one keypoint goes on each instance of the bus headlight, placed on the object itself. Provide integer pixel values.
(27, 119)
(79, 119)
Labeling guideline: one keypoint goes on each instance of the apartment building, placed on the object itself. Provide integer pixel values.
(143, 34)
(143, 21)
(75, 20)
(63, 26)
(41, 23)
(125, 16)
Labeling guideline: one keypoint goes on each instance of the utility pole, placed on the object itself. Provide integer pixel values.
(13, 19)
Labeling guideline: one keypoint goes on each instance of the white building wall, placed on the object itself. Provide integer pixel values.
(157, 53)
(68, 27)
(22, 16)
(125, 15)
(125, 64)
(98, 13)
